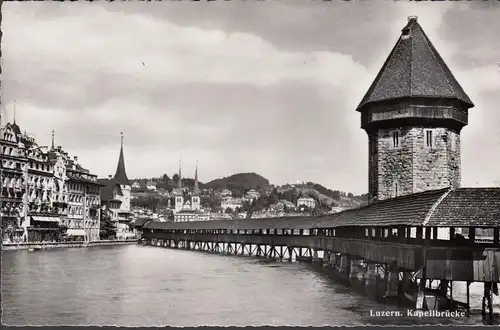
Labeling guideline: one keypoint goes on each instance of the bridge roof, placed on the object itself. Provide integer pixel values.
(464, 207)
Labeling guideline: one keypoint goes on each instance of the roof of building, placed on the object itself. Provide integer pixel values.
(16, 129)
(108, 188)
(414, 68)
(472, 206)
(463, 207)
(140, 222)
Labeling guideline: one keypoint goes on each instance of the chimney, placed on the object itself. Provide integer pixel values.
(76, 159)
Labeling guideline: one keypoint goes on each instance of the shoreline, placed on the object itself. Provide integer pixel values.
(62, 245)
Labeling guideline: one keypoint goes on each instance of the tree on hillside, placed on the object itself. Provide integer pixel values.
(175, 177)
(165, 178)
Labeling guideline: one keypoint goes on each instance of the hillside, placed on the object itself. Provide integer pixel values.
(239, 181)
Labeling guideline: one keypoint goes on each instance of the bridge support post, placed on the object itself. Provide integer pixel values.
(315, 256)
(333, 259)
(326, 258)
(355, 269)
(290, 253)
(392, 282)
(344, 267)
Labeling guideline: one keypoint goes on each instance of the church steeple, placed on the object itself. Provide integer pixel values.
(179, 182)
(121, 175)
(52, 146)
(196, 190)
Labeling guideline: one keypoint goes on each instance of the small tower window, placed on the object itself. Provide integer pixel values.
(428, 139)
(395, 189)
(395, 139)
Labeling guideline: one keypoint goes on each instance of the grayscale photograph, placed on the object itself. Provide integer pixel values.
(250, 163)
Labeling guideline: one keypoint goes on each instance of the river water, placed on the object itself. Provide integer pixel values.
(138, 285)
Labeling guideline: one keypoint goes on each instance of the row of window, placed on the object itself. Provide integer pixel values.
(429, 139)
(361, 233)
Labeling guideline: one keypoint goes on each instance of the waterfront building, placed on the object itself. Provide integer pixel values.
(43, 221)
(136, 185)
(34, 188)
(115, 197)
(84, 216)
(13, 178)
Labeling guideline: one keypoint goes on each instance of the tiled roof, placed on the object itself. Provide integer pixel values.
(464, 207)
(468, 207)
(140, 222)
(404, 210)
(414, 69)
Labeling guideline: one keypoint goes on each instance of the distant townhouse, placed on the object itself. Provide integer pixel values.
(306, 201)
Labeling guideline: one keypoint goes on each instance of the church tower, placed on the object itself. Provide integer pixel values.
(195, 200)
(413, 114)
(179, 199)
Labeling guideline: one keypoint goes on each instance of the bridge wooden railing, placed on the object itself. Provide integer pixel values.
(407, 255)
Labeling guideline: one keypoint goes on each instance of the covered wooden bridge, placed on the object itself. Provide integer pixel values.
(430, 235)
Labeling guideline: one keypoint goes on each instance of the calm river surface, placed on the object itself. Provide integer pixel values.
(149, 286)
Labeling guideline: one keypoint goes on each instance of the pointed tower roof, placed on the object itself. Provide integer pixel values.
(121, 175)
(179, 183)
(52, 146)
(196, 190)
(414, 69)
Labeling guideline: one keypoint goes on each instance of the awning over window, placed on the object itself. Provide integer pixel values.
(45, 219)
(76, 232)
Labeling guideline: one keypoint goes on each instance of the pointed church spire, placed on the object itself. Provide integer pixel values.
(196, 190)
(121, 175)
(52, 147)
(179, 183)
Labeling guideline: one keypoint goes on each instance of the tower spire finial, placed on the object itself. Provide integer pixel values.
(196, 189)
(14, 111)
(180, 176)
(52, 147)
(121, 137)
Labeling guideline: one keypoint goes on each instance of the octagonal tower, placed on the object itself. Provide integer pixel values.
(413, 114)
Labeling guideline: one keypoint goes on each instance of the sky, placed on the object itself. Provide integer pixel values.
(258, 86)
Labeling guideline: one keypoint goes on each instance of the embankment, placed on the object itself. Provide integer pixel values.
(59, 245)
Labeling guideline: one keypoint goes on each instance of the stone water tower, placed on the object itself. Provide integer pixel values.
(413, 114)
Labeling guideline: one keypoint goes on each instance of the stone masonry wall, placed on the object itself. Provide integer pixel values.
(394, 164)
(433, 168)
(412, 166)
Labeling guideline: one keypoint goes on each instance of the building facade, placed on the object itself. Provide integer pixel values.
(413, 114)
(306, 201)
(84, 202)
(13, 179)
(34, 200)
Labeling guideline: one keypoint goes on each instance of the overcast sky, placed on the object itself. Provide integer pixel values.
(268, 87)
